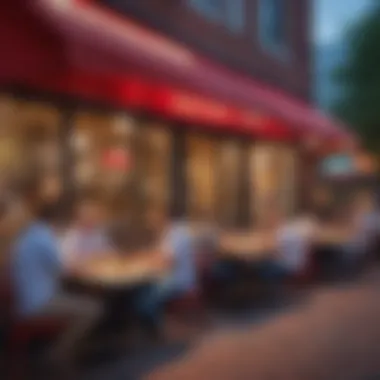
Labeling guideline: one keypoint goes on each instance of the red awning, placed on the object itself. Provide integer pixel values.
(87, 24)
(218, 96)
(39, 60)
(138, 93)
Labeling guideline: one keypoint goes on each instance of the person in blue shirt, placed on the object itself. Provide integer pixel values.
(36, 271)
(178, 255)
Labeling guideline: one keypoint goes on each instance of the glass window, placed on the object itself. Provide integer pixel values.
(104, 156)
(228, 183)
(264, 181)
(154, 159)
(286, 159)
(229, 12)
(29, 135)
(235, 15)
(272, 25)
(202, 156)
(213, 9)
(273, 176)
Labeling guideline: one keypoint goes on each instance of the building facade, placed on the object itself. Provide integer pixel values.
(197, 107)
(266, 39)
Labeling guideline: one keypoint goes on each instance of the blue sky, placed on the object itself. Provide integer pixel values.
(333, 16)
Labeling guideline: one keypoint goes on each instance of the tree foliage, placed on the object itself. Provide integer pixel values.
(359, 80)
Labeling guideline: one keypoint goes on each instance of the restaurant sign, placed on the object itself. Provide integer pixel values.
(117, 159)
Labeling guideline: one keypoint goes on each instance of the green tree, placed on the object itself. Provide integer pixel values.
(359, 80)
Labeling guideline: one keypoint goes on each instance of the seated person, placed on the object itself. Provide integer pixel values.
(206, 245)
(294, 239)
(88, 235)
(366, 227)
(36, 270)
(179, 253)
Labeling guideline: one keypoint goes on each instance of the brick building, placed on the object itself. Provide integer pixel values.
(249, 36)
(187, 105)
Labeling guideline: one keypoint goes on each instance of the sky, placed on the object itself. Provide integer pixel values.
(333, 16)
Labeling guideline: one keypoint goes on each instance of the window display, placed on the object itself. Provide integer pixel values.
(29, 136)
(130, 164)
(201, 177)
(273, 179)
(103, 153)
(263, 181)
(228, 183)
(154, 164)
(286, 158)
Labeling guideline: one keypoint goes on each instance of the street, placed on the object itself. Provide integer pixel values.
(333, 334)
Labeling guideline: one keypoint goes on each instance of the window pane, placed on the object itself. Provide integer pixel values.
(201, 172)
(272, 27)
(213, 9)
(286, 160)
(155, 156)
(264, 181)
(228, 183)
(104, 159)
(235, 13)
(29, 135)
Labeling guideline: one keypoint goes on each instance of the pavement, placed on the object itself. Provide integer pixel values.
(334, 334)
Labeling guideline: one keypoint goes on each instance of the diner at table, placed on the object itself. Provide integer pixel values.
(179, 252)
(293, 242)
(88, 234)
(325, 245)
(36, 269)
(365, 229)
(120, 285)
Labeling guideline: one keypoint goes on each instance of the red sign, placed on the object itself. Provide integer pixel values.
(117, 159)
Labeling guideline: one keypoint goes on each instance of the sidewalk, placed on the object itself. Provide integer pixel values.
(335, 335)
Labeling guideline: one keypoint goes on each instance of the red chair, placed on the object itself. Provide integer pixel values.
(192, 304)
(22, 332)
(5, 298)
(307, 275)
(189, 304)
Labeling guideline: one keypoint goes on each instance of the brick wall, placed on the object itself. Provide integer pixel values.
(241, 51)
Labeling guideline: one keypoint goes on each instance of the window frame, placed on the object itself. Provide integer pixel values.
(229, 13)
(281, 48)
(235, 18)
(207, 10)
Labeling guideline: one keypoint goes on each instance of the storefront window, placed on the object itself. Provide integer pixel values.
(263, 182)
(29, 137)
(103, 150)
(287, 165)
(154, 157)
(202, 158)
(228, 183)
(273, 180)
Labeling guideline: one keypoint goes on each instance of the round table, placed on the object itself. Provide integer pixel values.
(117, 279)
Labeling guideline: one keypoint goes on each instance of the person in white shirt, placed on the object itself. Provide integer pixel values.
(293, 240)
(88, 235)
(180, 254)
(366, 228)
